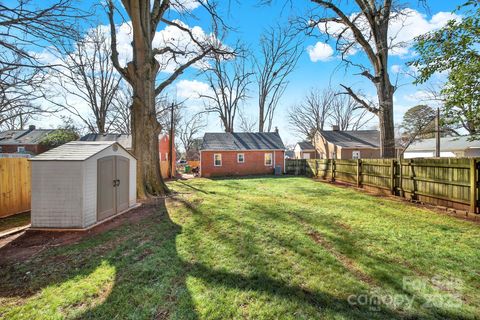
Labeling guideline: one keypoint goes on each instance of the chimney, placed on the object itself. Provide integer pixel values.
(276, 129)
(31, 127)
(335, 128)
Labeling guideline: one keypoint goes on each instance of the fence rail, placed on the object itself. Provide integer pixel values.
(450, 182)
(14, 186)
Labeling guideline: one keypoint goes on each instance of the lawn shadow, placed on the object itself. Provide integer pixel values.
(150, 278)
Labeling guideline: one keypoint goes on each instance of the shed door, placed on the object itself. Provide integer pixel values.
(122, 168)
(106, 190)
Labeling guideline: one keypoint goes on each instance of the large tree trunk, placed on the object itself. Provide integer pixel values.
(387, 131)
(145, 127)
(261, 115)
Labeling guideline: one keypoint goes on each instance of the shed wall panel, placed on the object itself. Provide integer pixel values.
(57, 194)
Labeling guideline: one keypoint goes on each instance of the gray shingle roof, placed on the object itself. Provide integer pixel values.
(242, 141)
(74, 151)
(354, 138)
(446, 144)
(21, 137)
(305, 145)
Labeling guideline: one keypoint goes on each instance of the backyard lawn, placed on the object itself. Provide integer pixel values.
(257, 248)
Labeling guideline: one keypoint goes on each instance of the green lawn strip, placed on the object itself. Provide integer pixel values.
(257, 248)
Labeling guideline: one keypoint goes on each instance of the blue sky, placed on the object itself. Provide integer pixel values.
(316, 67)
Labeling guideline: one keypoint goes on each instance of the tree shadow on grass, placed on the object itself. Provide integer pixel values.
(148, 276)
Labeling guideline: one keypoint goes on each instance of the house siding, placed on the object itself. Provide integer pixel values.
(33, 148)
(254, 163)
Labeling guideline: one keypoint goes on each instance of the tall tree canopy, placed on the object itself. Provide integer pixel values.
(363, 25)
(142, 72)
(455, 49)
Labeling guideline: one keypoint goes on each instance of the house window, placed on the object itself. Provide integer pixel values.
(240, 158)
(166, 156)
(268, 159)
(20, 149)
(217, 160)
(1, 149)
(356, 154)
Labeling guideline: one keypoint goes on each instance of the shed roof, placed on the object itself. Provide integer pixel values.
(242, 141)
(446, 144)
(305, 145)
(21, 137)
(75, 151)
(353, 138)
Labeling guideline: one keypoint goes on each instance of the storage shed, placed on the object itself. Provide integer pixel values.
(80, 183)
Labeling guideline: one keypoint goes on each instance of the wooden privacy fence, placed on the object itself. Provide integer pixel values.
(14, 186)
(449, 182)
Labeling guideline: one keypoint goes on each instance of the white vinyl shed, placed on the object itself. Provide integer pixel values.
(80, 183)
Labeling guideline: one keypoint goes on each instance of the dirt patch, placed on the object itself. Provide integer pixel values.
(26, 244)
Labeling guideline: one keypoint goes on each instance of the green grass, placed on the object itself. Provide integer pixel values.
(259, 248)
(17, 220)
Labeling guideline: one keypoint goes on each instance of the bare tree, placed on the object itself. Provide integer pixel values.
(28, 24)
(228, 81)
(247, 123)
(142, 73)
(365, 28)
(120, 115)
(279, 55)
(188, 132)
(311, 116)
(90, 77)
(347, 114)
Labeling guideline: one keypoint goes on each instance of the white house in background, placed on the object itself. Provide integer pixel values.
(304, 150)
(458, 147)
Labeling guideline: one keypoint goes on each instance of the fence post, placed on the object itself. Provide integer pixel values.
(473, 186)
(400, 178)
(392, 176)
(359, 172)
(332, 168)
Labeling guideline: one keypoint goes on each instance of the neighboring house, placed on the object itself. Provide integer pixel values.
(354, 144)
(244, 153)
(24, 141)
(289, 154)
(305, 150)
(125, 140)
(449, 147)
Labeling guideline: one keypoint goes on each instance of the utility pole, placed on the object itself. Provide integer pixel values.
(171, 171)
(437, 134)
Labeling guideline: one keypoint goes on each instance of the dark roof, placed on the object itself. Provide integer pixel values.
(242, 141)
(124, 139)
(21, 137)
(305, 145)
(353, 139)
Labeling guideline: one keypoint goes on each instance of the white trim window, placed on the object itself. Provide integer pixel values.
(240, 158)
(356, 154)
(268, 159)
(217, 159)
(20, 149)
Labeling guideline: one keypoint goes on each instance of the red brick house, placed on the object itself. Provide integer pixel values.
(24, 141)
(241, 154)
